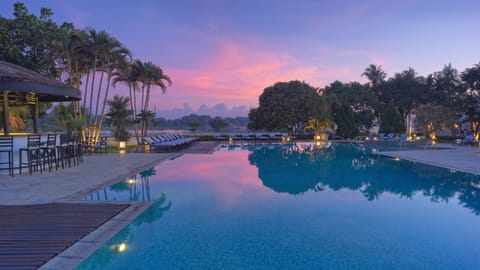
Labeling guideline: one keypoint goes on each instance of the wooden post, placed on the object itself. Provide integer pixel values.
(35, 116)
(6, 127)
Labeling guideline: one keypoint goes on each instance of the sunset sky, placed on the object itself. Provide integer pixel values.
(227, 52)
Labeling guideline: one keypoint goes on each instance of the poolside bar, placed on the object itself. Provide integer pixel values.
(23, 87)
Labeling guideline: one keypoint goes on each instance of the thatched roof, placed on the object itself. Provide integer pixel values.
(20, 79)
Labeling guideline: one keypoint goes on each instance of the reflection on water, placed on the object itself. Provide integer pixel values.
(299, 169)
(134, 188)
(123, 240)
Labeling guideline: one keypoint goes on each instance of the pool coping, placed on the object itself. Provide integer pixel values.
(462, 162)
(82, 249)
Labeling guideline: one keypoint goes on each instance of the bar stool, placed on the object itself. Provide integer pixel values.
(49, 151)
(78, 149)
(6, 146)
(63, 155)
(34, 157)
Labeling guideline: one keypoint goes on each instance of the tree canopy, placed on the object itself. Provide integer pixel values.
(284, 105)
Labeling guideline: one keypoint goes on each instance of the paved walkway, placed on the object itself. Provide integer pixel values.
(97, 170)
(460, 158)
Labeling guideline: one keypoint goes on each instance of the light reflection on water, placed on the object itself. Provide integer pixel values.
(297, 208)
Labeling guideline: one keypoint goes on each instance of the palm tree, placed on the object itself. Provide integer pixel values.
(119, 116)
(145, 117)
(95, 43)
(113, 55)
(150, 75)
(375, 75)
(129, 75)
(72, 58)
(153, 75)
(320, 125)
(447, 85)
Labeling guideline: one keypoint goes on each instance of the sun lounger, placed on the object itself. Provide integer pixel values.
(466, 140)
(389, 137)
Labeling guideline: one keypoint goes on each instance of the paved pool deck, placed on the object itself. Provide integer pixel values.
(450, 156)
(96, 171)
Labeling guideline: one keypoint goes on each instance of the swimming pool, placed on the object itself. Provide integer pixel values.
(296, 208)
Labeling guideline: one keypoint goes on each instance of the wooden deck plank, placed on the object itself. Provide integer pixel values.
(31, 235)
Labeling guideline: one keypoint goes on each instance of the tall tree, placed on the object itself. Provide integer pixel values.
(407, 91)
(471, 98)
(345, 119)
(26, 40)
(285, 106)
(392, 121)
(447, 86)
(129, 74)
(150, 75)
(363, 103)
(114, 55)
(431, 117)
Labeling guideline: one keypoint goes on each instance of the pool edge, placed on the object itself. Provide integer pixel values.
(74, 255)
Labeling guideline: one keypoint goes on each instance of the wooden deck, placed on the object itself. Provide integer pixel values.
(30, 235)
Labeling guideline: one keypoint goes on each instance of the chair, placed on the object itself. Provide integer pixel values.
(100, 146)
(33, 152)
(6, 146)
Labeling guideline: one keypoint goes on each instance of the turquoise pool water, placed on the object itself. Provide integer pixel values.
(296, 208)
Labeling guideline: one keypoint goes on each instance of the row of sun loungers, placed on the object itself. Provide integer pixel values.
(387, 137)
(256, 138)
(168, 141)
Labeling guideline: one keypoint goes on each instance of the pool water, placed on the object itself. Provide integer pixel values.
(296, 208)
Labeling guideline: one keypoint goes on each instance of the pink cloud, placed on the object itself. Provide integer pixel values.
(237, 71)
